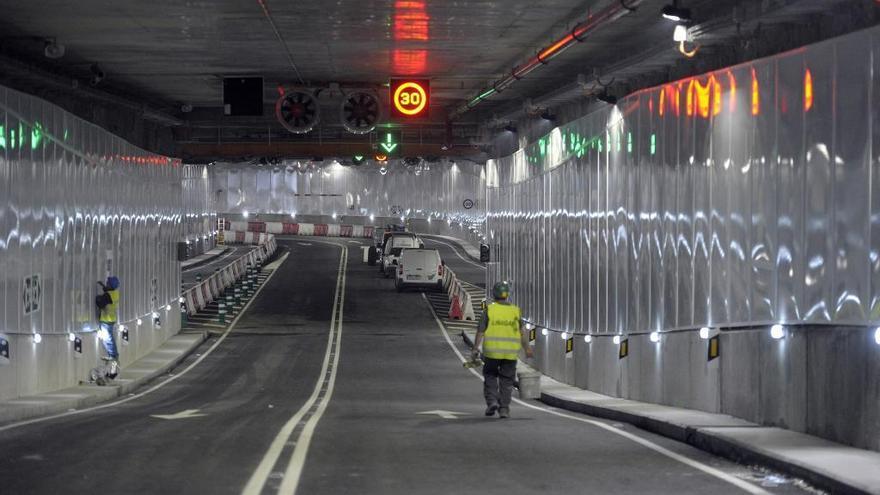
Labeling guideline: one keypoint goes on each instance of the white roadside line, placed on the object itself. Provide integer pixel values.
(292, 474)
(221, 258)
(454, 250)
(160, 384)
(744, 485)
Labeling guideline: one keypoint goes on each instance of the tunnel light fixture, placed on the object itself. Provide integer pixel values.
(704, 333)
(333, 215)
(245, 214)
(37, 338)
(564, 335)
(139, 321)
(877, 336)
(544, 332)
(181, 300)
(71, 336)
(777, 331)
(372, 217)
(588, 338)
(155, 314)
(680, 34)
(655, 337)
(616, 339)
(167, 307)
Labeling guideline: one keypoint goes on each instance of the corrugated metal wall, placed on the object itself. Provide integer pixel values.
(327, 188)
(74, 199)
(746, 196)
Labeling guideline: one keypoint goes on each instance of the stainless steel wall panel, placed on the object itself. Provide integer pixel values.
(852, 160)
(762, 174)
(790, 175)
(874, 237)
(748, 196)
(75, 197)
(818, 137)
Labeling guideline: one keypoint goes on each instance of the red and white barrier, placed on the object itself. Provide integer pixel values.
(460, 302)
(198, 297)
(308, 229)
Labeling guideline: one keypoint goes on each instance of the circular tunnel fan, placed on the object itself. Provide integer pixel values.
(297, 111)
(360, 112)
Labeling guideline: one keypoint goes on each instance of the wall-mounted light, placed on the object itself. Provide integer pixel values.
(245, 214)
(680, 33)
(588, 338)
(71, 336)
(37, 338)
(139, 321)
(155, 314)
(372, 217)
(877, 336)
(616, 339)
(167, 307)
(564, 335)
(704, 333)
(333, 215)
(655, 337)
(544, 332)
(777, 331)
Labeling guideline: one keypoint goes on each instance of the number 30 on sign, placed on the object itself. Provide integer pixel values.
(410, 97)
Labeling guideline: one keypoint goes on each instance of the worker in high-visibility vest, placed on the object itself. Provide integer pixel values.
(501, 335)
(108, 305)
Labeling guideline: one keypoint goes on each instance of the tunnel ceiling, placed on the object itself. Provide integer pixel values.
(160, 56)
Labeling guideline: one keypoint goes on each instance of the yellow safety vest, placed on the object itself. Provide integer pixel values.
(108, 312)
(502, 339)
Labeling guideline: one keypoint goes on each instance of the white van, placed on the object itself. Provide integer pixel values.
(419, 268)
(394, 245)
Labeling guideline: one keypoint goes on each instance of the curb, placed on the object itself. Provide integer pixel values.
(455, 241)
(712, 443)
(205, 261)
(92, 394)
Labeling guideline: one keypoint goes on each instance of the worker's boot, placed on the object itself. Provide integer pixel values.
(504, 412)
(490, 411)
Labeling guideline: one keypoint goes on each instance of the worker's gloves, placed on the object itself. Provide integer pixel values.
(475, 354)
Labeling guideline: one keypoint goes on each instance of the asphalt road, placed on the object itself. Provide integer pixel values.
(367, 421)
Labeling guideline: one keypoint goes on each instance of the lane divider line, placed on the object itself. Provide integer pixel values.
(160, 384)
(454, 250)
(323, 389)
(717, 473)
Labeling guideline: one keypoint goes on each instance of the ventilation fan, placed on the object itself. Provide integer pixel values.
(297, 111)
(360, 112)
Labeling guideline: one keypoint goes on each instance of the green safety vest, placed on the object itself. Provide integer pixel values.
(108, 312)
(502, 339)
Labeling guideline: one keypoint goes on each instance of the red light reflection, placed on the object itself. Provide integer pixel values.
(411, 24)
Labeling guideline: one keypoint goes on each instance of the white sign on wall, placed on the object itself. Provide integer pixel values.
(31, 294)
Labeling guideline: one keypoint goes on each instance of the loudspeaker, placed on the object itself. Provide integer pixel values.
(243, 96)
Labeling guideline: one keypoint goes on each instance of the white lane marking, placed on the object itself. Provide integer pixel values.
(744, 485)
(443, 414)
(454, 250)
(258, 479)
(304, 243)
(230, 253)
(158, 385)
(189, 413)
(298, 459)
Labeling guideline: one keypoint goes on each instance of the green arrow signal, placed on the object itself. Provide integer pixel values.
(358, 158)
(389, 145)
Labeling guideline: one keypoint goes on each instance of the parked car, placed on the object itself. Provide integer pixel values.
(375, 255)
(393, 247)
(419, 268)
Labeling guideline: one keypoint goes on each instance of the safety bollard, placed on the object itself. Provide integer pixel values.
(237, 293)
(230, 305)
(198, 278)
(183, 315)
(221, 312)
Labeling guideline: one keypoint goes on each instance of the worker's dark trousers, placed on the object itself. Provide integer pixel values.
(498, 386)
